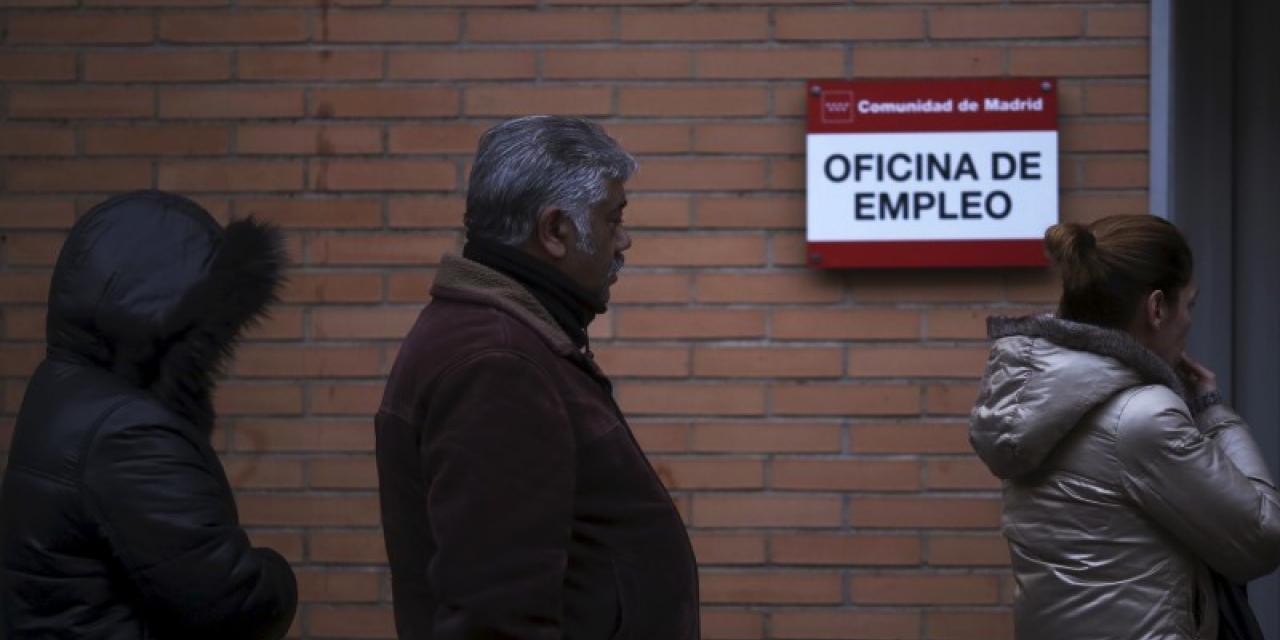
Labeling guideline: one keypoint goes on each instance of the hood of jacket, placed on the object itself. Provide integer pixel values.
(150, 287)
(1043, 375)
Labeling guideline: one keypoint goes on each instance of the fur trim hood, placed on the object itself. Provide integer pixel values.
(1043, 375)
(150, 287)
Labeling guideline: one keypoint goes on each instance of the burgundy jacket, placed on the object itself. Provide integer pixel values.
(516, 503)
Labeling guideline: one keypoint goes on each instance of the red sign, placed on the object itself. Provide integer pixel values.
(931, 173)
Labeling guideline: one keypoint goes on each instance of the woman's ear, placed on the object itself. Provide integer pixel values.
(552, 232)
(1154, 307)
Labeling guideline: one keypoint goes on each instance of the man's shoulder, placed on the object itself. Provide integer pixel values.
(457, 329)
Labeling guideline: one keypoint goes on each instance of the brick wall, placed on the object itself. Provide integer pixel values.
(811, 424)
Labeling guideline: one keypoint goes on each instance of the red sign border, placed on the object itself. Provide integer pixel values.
(933, 253)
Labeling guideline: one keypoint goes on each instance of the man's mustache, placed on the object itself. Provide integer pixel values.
(616, 265)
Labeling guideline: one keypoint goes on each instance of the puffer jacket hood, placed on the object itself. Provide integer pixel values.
(149, 287)
(1042, 376)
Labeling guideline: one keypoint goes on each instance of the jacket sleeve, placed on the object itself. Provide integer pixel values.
(171, 523)
(499, 461)
(1209, 488)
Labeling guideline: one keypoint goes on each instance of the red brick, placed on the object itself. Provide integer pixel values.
(845, 549)
(751, 64)
(848, 25)
(950, 399)
(845, 399)
(845, 625)
(484, 100)
(968, 550)
(23, 287)
(787, 138)
(656, 211)
(287, 543)
(79, 28)
(701, 26)
(1079, 61)
(775, 587)
(790, 100)
(78, 175)
(398, 26)
(409, 286)
(853, 324)
(366, 323)
(691, 399)
(690, 323)
(959, 473)
(232, 28)
(328, 585)
(1022, 23)
(294, 436)
(768, 288)
(310, 65)
(728, 548)
(767, 362)
(332, 287)
(700, 174)
(845, 475)
(661, 437)
(462, 65)
(23, 213)
(36, 141)
(643, 361)
(427, 212)
(20, 361)
(157, 3)
(262, 473)
(347, 547)
(343, 473)
(897, 362)
(543, 26)
(230, 176)
(925, 589)
(386, 103)
(282, 323)
(753, 510)
(231, 103)
(651, 287)
(771, 212)
(709, 473)
(256, 398)
(1106, 172)
(1124, 98)
(32, 249)
(709, 101)
(969, 625)
(156, 141)
(436, 137)
(947, 323)
(925, 286)
(624, 64)
(360, 399)
(1119, 23)
(650, 250)
(788, 250)
(295, 213)
(382, 175)
(23, 323)
(731, 624)
(397, 250)
(167, 66)
(293, 362)
(932, 513)
(35, 67)
(871, 62)
(293, 510)
(81, 103)
(322, 140)
(352, 622)
(913, 437)
(776, 438)
(644, 137)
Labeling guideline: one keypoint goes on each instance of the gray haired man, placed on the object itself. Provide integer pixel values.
(515, 501)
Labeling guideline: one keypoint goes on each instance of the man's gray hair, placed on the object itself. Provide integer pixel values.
(525, 165)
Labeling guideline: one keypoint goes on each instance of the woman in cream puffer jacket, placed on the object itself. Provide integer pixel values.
(1120, 500)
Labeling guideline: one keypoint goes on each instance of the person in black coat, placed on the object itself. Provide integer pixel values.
(116, 518)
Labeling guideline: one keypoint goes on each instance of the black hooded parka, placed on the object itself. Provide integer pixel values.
(116, 518)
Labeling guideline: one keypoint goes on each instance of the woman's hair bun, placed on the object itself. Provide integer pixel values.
(1072, 248)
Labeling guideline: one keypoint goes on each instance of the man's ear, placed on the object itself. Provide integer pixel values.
(1154, 308)
(554, 232)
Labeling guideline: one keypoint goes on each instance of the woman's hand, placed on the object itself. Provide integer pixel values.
(1197, 376)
